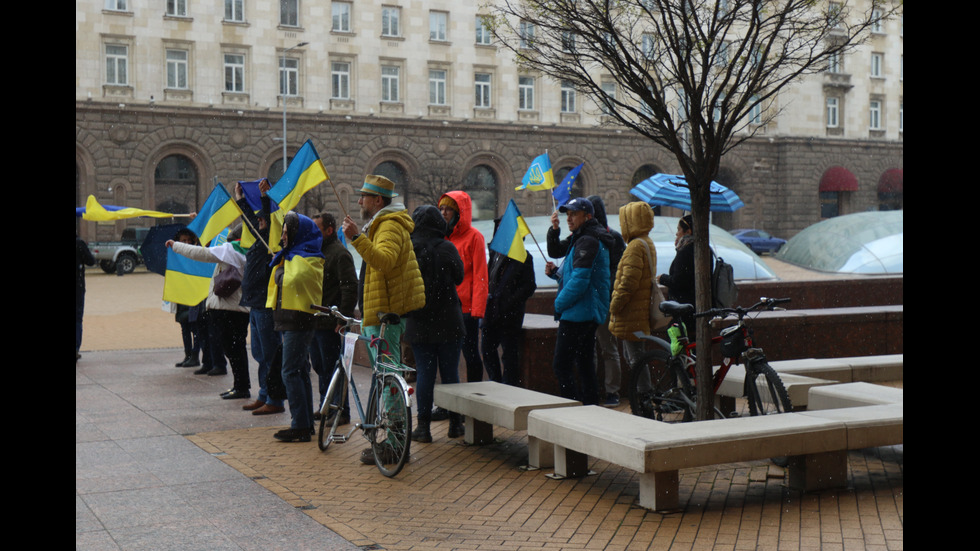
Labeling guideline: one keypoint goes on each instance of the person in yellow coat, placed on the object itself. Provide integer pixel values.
(295, 284)
(390, 279)
(629, 310)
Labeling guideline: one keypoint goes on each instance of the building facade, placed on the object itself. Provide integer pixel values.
(173, 97)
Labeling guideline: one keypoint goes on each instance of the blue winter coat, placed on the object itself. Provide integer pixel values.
(583, 279)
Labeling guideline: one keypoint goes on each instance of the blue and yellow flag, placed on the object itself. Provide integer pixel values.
(509, 237)
(186, 281)
(305, 172)
(563, 192)
(218, 212)
(539, 175)
(97, 213)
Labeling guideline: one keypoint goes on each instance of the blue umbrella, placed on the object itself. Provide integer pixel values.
(670, 190)
(154, 248)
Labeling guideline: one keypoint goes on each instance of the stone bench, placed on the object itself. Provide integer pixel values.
(850, 395)
(815, 442)
(488, 403)
(797, 386)
(869, 369)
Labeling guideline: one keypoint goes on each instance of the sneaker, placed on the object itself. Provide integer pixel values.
(612, 400)
(293, 435)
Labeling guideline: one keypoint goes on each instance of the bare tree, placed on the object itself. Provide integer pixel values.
(434, 179)
(688, 74)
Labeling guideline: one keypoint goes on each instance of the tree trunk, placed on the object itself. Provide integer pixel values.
(700, 205)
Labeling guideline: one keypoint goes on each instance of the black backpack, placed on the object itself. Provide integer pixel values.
(724, 292)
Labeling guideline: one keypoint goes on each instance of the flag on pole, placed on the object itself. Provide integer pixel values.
(305, 172)
(253, 196)
(186, 281)
(97, 213)
(509, 238)
(563, 192)
(218, 212)
(539, 175)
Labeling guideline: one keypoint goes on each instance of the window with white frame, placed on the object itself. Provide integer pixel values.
(235, 10)
(901, 116)
(340, 80)
(525, 93)
(234, 65)
(288, 76)
(117, 5)
(177, 8)
(877, 61)
(647, 45)
(482, 32)
(877, 24)
(177, 69)
(834, 63)
(116, 64)
(568, 42)
(437, 86)
(482, 88)
(835, 15)
(390, 83)
(609, 88)
(340, 17)
(833, 112)
(391, 21)
(289, 13)
(874, 115)
(438, 25)
(567, 97)
(755, 112)
(526, 33)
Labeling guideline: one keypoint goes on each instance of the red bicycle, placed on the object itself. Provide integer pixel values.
(664, 382)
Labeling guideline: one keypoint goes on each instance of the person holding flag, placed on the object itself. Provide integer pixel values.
(511, 284)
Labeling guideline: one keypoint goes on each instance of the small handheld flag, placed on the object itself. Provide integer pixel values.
(305, 172)
(563, 192)
(509, 238)
(97, 213)
(218, 212)
(539, 175)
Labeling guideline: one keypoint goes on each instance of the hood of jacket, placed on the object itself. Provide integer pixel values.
(635, 219)
(305, 238)
(595, 229)
(465, 204)
(429, 223)
(395, 212)
(599, 210)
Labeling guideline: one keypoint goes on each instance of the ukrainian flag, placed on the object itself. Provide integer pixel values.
(97, 213)
(305, 172)
(186, 281)
(539, 175)
(509, 237)
(218, 212)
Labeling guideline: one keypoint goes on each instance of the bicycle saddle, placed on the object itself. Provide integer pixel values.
(389, 318)
(676, 309)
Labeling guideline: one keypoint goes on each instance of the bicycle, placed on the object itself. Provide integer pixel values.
(387, 421)
(664, 381)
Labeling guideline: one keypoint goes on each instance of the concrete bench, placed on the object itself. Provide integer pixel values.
(869, 369)
(488, 403)
(797, 386)
(815, 442)
(850, 395)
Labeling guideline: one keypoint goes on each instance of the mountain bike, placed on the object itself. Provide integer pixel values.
(387, 421)
(664, 382)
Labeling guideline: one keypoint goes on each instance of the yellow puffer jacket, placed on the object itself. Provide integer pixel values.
(629, 310)
(392, 282)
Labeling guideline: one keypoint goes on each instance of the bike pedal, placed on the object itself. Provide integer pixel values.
(339, 439)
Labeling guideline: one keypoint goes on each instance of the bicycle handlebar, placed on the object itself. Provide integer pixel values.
(334, 311)
(763, 304)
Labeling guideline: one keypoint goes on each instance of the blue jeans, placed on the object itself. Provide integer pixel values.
(296, 376)
(429, 358)
(265, 341)
(323, 355)
(575, 356)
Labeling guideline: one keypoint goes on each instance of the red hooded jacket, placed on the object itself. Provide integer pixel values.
(473, 250)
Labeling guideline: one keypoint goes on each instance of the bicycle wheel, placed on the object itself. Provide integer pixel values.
(330, 410)
(652, 380)
(764, 390)
(390, 412)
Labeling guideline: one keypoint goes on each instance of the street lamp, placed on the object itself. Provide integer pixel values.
(284, 86)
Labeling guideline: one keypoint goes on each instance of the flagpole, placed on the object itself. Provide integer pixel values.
(536, 242)
(339, 202)
(255, 231)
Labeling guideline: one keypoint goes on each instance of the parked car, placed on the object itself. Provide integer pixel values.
(123, 254)
(759, 241)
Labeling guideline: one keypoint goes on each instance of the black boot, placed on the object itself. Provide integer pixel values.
(456, 428)
(421, 432)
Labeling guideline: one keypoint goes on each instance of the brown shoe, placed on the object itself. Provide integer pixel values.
(266, 409)
(253, 405)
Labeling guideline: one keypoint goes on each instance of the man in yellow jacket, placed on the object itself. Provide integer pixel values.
(390, 277)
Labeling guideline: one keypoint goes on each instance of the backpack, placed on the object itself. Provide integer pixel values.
(724, 292)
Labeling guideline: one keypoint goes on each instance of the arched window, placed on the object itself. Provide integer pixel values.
(276, 170)
(891, 190)
(481, 185)
(175, 184)
(392, 171)
(836, 186)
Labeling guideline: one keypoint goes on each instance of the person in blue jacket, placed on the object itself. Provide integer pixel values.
(582, 302)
